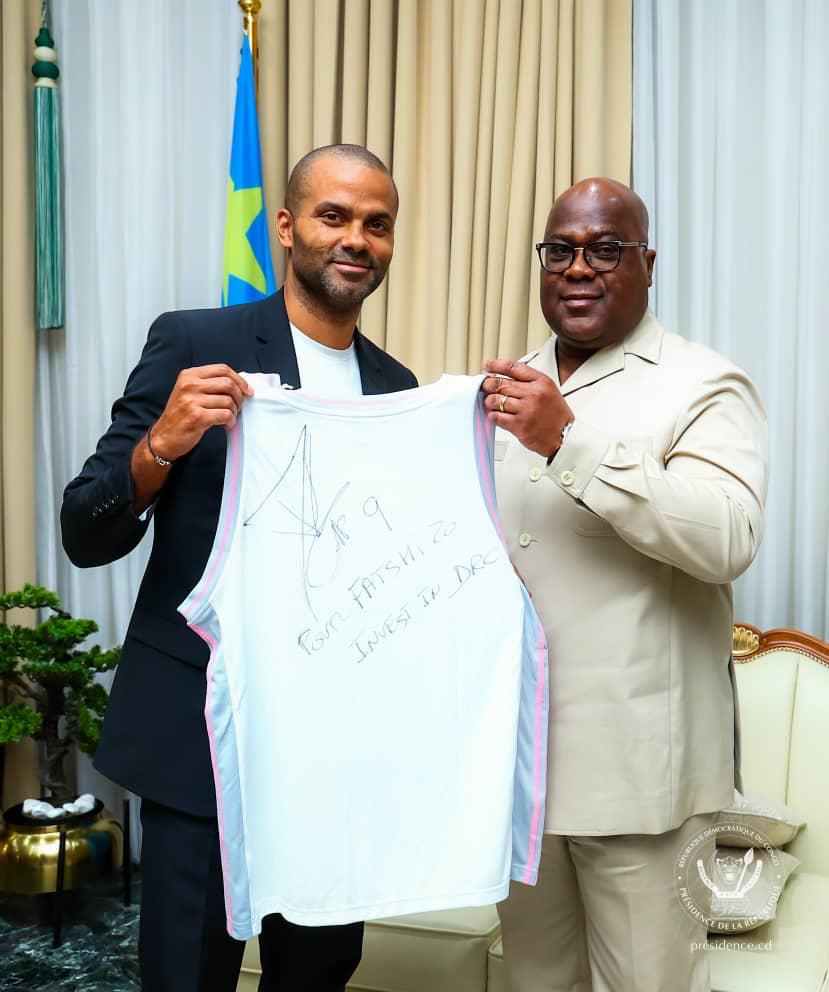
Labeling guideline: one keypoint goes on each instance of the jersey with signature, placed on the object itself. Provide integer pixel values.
(377, 686)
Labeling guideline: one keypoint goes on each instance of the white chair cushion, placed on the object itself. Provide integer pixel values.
(766, 690)
(790, 954)
(808, 790)
(784, 708)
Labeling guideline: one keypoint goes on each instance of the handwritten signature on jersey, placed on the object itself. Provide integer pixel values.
(322, 534)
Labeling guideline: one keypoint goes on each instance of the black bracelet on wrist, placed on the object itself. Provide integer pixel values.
(163, 462)
(565, 430)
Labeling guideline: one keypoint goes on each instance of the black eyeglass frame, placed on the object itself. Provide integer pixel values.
(584, 249)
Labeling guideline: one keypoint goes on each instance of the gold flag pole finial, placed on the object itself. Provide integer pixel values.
(250, 10)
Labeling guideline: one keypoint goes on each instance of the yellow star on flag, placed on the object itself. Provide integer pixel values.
(243, 207)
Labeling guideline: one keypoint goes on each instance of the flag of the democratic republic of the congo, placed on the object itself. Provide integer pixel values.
(248, 272)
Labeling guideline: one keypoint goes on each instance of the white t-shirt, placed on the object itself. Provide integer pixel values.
(323, 371)
(377, 687)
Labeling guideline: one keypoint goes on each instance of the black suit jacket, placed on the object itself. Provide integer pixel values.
(155, 741)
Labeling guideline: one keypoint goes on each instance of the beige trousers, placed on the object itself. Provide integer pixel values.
(604, 917)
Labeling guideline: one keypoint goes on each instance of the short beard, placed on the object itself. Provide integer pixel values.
(324, 289)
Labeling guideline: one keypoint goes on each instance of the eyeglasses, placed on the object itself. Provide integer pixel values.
(601, 256)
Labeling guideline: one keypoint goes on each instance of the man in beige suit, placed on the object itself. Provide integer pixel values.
(631, 468)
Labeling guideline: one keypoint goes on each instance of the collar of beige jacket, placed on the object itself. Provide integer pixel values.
(644, 341)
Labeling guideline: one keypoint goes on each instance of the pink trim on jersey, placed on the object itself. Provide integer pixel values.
(483, 435)
(191, 608)
(211, 736)
(229, 517)
(541, 678)
(201, 591)
(484, 431)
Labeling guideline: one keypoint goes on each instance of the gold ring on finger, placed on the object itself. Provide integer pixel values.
(502, 402)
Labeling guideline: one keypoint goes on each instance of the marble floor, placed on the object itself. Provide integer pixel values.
(99, 952)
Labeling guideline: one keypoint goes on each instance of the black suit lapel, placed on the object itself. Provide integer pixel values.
(274, 345)
(371, 372)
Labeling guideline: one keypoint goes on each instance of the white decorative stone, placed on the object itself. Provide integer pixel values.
(83, 804)
(42, 810)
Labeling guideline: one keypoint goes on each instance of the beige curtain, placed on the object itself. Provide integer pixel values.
(19, 21)
(485, 110)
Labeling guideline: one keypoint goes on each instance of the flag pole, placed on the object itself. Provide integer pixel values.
(248, 268)
(250, 11)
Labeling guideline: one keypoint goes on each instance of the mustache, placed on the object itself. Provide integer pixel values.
(352, 257)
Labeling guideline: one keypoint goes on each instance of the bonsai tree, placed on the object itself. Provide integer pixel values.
(44, 665)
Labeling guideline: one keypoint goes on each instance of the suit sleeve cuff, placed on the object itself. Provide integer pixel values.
(578, 459)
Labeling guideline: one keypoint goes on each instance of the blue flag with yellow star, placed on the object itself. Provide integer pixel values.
(248, 272)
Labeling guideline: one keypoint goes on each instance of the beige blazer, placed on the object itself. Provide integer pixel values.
(628, 542)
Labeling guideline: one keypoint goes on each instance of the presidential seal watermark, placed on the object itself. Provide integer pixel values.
(729, 877)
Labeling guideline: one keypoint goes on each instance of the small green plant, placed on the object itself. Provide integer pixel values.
(44, 665)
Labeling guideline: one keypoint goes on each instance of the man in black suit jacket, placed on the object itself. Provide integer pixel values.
(163, 456)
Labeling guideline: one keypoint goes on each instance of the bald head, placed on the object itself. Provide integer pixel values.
(299, 181)
(599, 192)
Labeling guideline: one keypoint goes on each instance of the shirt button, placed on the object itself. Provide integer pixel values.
(567, 478)
(535, 474)
(524, 540)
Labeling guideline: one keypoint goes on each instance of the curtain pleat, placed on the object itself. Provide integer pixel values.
(484, 110)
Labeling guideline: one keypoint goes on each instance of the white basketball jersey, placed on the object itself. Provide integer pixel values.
(377, 686)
